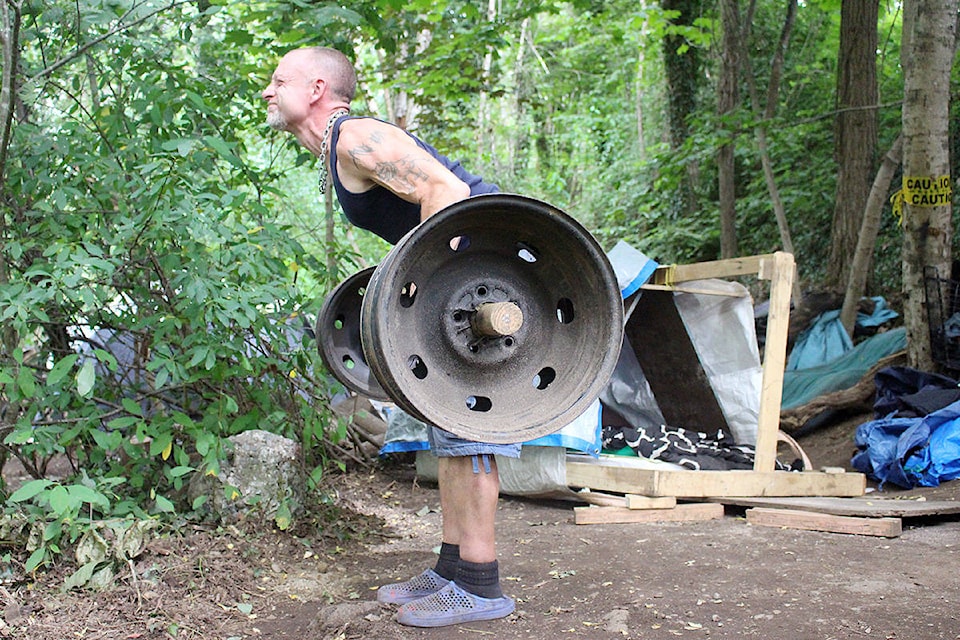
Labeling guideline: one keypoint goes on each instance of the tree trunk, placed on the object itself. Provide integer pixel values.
(329, 224)
(639, 87)
(682, 65)
(863, 253)
(518, 89)
(929, 30)
(10, 52)
(773, 91)
(727, 100)
(485, 137)
(856, 131)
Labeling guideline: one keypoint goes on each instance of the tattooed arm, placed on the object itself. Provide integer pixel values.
(371, 152)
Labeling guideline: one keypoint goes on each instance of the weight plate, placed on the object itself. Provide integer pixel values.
(418, 319)
(338, 337)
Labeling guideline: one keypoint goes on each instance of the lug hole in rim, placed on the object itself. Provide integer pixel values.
(417, 366)
(544, 377)
(459, 244)
(479, 403)
(408, 294)
(527, 252)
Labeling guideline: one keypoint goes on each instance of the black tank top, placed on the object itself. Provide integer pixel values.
(383, 212)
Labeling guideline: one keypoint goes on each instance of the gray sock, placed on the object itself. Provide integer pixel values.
(448, 561)
(480, 578)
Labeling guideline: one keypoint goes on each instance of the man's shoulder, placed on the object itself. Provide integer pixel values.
(372, 135)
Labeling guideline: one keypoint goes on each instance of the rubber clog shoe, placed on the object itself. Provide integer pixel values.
(453, 605)
(425, 584)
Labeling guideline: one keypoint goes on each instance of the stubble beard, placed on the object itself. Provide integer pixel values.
(275, 120)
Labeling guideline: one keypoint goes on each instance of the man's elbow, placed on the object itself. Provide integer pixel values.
(461, 190)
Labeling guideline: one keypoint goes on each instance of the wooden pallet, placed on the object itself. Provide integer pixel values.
(763, 480)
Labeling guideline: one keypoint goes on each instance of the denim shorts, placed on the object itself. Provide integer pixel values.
(446, 445)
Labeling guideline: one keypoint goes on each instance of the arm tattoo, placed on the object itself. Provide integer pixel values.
(404, 173)
(358, 151)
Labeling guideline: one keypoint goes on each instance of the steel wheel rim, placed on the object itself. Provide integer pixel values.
(509, 388)
(338, 337)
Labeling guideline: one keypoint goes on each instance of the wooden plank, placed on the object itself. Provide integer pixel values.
(810, 521)
(650, 502)
(693, 289)
(709, 484)
(601, 499)
(745, 266)
(864, 507)
(774, 362)
(693, 512)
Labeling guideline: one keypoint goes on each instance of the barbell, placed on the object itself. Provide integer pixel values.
(498, 319)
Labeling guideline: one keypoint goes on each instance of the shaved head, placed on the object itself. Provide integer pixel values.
(332, 66)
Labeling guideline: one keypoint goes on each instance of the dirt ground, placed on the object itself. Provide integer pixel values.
(716, 579)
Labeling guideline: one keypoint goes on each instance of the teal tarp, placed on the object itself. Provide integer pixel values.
(803, 385)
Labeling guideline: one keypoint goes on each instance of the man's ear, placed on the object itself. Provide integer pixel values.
(318, 89)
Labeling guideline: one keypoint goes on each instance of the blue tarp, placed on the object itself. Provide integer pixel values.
(911, 452)
(826, 339)
(803, 385)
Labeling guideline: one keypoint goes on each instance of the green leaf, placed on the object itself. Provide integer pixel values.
(161, 379)
(107, 440)
(204, 443)
(131, 407)
(35, 560)
(81, 493)
(160, 444)
(224, 150)
(179, 472)
(30, 489)
(86, 378)
(61, 369)
(61, 501)
(199, 355)
(283, 517)
(164, 505)
(124, 422)
(80, 577)
(26, 382)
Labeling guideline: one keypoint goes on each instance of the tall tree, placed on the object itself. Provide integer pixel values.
(727, 99)
(855, 133)
(682, 63)
(929, 32)
(768, 110)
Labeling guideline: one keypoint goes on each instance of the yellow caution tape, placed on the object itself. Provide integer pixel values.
(922, 191)
(927, 191)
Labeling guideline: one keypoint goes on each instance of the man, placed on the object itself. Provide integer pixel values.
(387, 182)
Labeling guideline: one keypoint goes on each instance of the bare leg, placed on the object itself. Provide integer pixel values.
(468, 499)
(468, 502)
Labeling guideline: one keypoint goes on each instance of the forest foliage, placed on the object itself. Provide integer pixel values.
(164, 253)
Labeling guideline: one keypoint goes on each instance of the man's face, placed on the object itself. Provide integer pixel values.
(289, 92)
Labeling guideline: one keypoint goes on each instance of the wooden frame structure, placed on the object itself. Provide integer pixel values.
(763, 480)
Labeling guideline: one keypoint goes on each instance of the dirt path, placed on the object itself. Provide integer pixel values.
(717, 579)
(720, 579)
